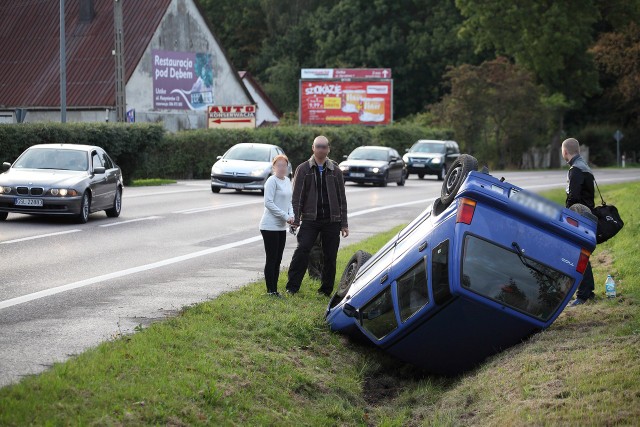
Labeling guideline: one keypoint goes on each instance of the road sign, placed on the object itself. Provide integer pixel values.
(232, 116)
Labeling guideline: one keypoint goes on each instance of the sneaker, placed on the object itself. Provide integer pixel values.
(274, 294)
(577, 302)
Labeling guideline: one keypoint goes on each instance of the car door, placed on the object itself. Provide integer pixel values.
(98, 184)
(396, 165)
(111, 174)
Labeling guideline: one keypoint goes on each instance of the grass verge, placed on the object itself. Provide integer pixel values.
(245, 358)
(151, 182)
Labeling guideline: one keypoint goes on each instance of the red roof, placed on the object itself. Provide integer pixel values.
(246, 75)
(30, 45)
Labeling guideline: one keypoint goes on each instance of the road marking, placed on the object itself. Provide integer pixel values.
(39, 236)
(130, 220)
(214, 208)
(117, 274)
(397, 205)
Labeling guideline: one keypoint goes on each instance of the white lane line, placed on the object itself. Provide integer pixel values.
(214, 208)
(40, 236)
(130, 220)
(397, 205)
(117, 274)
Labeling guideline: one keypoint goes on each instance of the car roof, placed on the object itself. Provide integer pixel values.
(255, 143)
(433, 141)
(68, 146)
(375, 147)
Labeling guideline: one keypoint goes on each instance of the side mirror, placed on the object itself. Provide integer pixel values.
(344, 156)
(6, 166)
(406, 150)
(99, 170)
(218, 158)
(394, 158)
(349, 310)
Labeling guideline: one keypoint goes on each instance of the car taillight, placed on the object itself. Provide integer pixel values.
(466, 209)
(572, 221)
(583, 261)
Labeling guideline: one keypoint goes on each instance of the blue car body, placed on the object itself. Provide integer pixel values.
(465, 281)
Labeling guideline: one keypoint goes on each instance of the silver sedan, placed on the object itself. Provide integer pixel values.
(61, 179)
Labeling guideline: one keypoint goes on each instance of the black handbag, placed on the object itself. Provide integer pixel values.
(609, 220)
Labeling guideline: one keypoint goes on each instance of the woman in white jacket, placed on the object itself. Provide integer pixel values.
(278, 213)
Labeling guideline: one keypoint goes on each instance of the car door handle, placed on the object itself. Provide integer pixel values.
(384, 278)
(422, 247)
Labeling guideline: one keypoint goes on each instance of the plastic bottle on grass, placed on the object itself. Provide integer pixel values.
(610, 287)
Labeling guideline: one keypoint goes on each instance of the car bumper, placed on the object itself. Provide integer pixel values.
(232, 183)
(426, 169)
(50, 205)
(364, 177)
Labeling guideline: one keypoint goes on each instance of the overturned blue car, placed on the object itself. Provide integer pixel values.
(483, 268)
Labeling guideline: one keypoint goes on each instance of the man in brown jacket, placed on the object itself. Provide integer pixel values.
(319, 201)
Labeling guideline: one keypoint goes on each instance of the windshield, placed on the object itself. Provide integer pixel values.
(501, 275)
(368, 154)
(428, 147)
(250, 153)
(53, 158)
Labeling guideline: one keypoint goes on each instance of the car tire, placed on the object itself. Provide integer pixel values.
(349, 274)
(443, 173)
(114, 212)
(3, 215)
(420, 176)
(456, 176)
(401, 182)
(384, 180)
(215, 189)
(85, 209)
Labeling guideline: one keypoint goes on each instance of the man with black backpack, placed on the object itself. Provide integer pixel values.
(580, 190)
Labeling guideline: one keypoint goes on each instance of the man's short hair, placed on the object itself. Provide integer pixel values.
(572, 146)
(321, 138)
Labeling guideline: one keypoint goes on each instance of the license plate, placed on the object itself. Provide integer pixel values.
(536, 203)
(29, 202)
(357, 174)
(418, 165)
(239, 186)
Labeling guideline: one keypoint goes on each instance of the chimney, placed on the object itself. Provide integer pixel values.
(87, 12)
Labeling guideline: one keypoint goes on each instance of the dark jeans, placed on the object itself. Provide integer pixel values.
(586, 287)
(274, 242)
(330, 234)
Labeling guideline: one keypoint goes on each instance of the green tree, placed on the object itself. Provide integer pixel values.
(495, 110)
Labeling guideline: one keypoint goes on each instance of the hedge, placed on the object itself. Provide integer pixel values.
(147, 151)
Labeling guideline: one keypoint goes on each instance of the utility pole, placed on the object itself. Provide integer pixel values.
(121, 101)
(63, 68)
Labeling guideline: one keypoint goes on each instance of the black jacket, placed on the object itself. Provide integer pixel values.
(580, 188)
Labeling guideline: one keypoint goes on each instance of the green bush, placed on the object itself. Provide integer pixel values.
(602, 145)
(123, 142)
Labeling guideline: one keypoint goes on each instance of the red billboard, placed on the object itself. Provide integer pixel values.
(331, 102)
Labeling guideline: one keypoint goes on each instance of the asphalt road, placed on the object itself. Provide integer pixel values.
(65, 287)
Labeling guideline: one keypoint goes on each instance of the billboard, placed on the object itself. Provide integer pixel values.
(182, 80)
(231, 116)
(331, 102)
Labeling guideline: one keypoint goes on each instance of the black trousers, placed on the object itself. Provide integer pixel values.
(586, 287)
(274, 242)
(330, 234)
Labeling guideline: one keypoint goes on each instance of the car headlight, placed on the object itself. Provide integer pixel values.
(344, 168)
(5, 190)
(216, 170)
(63, 192)
(259, 172)
(405, 158)
(436, 160)
(375, 170)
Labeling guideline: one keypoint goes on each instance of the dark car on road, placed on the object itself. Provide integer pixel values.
(431, 157)
(61, 179)
(483, 268)
(244, 167)
(373, 164)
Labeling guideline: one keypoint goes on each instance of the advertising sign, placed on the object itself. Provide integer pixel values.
(232, 116)
(182, 80)
(345, 73)
(345, 102)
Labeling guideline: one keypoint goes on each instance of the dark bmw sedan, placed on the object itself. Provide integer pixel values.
(373, 164)
(61, 179)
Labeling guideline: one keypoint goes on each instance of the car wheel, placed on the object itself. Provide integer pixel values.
(3, 215)
(456, 176)
(401, 182)
(114, 212)
(215, 189)
(384, 180)
(85, 208)
(349, 274)
(420, 175)
(443, 173)
(238, 190)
